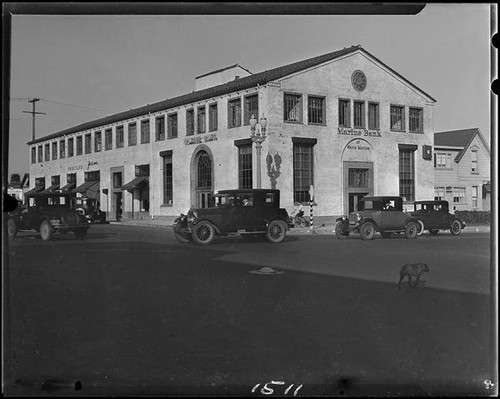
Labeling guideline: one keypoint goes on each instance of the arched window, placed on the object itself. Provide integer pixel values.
(204, 171)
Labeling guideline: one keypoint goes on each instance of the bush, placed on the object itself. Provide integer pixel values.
(474, 217)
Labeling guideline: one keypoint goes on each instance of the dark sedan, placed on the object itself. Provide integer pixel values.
(434, 216)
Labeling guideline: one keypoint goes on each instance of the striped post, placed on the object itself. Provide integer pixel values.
(311, 197)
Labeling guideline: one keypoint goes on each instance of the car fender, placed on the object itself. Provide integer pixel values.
(216, 228)
(343, 220)
(363, 221)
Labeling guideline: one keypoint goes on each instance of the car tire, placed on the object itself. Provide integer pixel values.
(434, 231)
(276, 231)
(339, 231)
(455, 228)
(46, 230)
(421, 228)
(386, 234)
(182, 237)
(367, 231)
(11, 228)
(411, 230)
(203, 233)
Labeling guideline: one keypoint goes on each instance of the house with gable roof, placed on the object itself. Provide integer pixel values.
(462, 169)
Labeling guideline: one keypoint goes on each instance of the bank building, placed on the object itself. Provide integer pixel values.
(343, 122)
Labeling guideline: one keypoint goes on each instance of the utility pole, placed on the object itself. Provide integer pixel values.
(33, 113)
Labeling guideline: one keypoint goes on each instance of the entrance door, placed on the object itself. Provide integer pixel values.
(354, 199)
(203, 180)
(358, 182)
(118, 205)
(204, 199)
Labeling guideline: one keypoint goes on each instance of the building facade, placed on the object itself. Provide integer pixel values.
(462, 169)
(344, 123)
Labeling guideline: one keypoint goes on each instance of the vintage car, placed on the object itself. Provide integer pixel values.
(89, 208)
(383, 214)
(47, 214)
(251, 213)
(434, 216)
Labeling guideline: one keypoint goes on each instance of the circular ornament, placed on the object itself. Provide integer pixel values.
(358, 80)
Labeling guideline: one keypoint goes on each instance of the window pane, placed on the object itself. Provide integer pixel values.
(316, 110)
(397, 118)
(145, 131)
(373, 116)
(344, 113)
(189, 122)
(292, 108)
(406, 175)
(160, 128)
(251, 108)
(302, 171)
(132, 134)
(212, 118)
(245, 167)
(359, 114)
(234, 113)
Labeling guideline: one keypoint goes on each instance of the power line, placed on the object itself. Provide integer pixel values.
(33, 113)
(73, 105)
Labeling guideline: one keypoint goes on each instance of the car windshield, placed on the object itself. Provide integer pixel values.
(368, 205)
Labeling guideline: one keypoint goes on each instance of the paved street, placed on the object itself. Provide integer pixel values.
(132, 311)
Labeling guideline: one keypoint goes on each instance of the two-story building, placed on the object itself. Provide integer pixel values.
(343, 122)
(462, 169)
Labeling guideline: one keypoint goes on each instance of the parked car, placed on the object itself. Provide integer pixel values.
(48, 214)
(434, 216)
(383, 214)
(251, 213)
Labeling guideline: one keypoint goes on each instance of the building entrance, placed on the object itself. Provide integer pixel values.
(358, 182)
(202, 169)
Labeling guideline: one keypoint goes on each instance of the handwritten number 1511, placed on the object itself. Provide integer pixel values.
(266, 390)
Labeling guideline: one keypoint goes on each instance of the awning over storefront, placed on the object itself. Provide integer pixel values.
(138, 181)
(89, 189)
(51, 190)
(68, 187)
(35, 190)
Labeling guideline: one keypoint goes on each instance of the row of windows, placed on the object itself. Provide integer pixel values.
(196, 121)
(443, 160)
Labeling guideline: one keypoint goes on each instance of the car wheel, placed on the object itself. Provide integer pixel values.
(411, 230)
(276, 231)
(46, 230)
(421, 228)
(11, 228)
(182, 237)
(203, 233)
(455, 228)
(340, 232)
(386, 235)
(434, 231)
(367, 231)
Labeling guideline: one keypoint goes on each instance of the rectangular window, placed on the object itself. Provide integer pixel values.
(33, 154)
(189, 122)
(71, 178)
(473, 162)
(373, 116)
(88, 142)
(145, 131)
(316, 111)
(234, 113)
(79, 145)
(54, 150)
(62, 149)
(459, 195)
(416, 120)
(406, 175)
(439, 193)
(475, 192)
(245, 171)
(359, 114)
(172, 128)
(213, 119)
(251, 106)
(358, 177)
(119, 136)
(97, 141)
(95, 175)
(142, 170)
(117, 180)
(40, 153)
(132, 133)
(397, 118)
(303, 160)
(47, 152)
(160, 128)
(71, 147)
(442, 160)
(344, 113)
(168, 191)
(201, 121)
(292, 108)
(108, 139)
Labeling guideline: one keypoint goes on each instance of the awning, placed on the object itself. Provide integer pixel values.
(51, 190)
(135, 183)
(89, 189)
(34, 190)
(68, 187)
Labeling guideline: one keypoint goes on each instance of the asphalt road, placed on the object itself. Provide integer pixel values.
(130, 311)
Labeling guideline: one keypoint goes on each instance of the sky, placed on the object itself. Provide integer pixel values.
(84, 67)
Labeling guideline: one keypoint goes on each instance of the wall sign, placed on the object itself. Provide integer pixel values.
(358, 145)
(200, 139)
(80, 167)
(358, 80)
(359, 132)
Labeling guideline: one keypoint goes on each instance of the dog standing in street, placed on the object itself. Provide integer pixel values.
(412, 270)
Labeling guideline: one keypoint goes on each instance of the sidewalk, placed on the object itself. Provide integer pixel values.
(324, 228)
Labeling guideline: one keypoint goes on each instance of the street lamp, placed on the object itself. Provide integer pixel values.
(258, 137)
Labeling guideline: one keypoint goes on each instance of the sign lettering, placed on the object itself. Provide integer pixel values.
(359, 132)
(200, 139)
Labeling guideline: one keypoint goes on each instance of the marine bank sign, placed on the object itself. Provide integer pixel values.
(359, 132)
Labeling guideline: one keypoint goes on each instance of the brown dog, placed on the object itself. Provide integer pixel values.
(412, 270)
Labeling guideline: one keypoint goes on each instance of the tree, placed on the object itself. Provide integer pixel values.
(15, 179)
